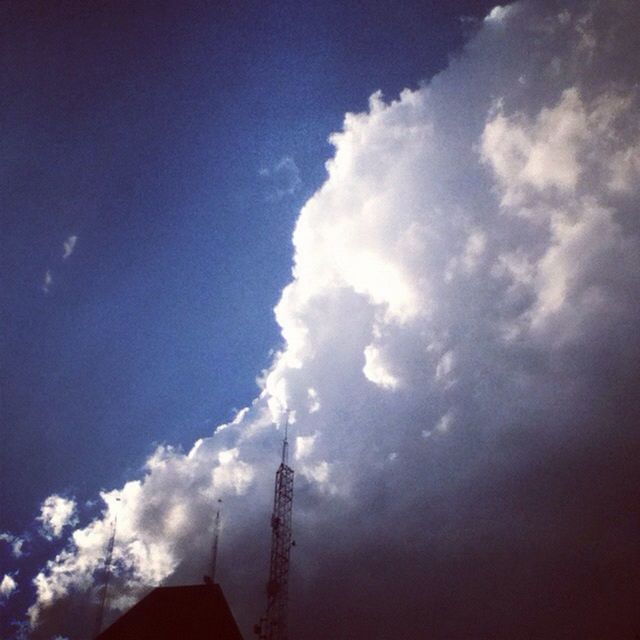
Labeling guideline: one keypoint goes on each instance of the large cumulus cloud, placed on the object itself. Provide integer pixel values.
(459, 361)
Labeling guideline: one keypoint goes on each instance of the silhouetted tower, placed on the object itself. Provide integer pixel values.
(105, 578)
(216, 538)
(274, 624)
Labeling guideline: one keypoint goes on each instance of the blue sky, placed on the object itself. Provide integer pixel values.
(156, 133)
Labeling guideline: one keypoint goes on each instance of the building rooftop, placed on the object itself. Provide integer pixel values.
(190, 612)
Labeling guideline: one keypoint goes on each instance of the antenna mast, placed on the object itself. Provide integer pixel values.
(216, 538)
(273, 626)
(105, 579)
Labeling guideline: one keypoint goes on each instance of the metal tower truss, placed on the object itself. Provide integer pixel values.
(274, 624)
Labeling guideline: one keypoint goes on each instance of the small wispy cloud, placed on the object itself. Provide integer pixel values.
(15, 542)
(48, 280)
(69, 246)
(283, 177)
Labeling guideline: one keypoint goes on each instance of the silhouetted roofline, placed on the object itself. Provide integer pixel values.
(191, 612)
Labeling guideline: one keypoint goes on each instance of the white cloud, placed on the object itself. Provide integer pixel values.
(7, 587)
(318, 473)
(69, 246)
(445, 422)
(558, 148)
(232, 473)
(374, 369)
(474, 249)
(16, 543)
(283, 178)
(444, 369)
(538, 155)
(304, 446)
(314, 400)
(56, 513)
(498, 14)
(48, 281)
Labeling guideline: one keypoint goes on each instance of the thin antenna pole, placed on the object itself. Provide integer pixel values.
(285, 442)
(106, 578)
(216, 539)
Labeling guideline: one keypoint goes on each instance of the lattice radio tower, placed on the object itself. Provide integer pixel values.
(273, 626)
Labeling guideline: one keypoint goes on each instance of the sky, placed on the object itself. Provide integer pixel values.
(415, 231)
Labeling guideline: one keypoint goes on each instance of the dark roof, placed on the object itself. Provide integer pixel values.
(177, 613)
